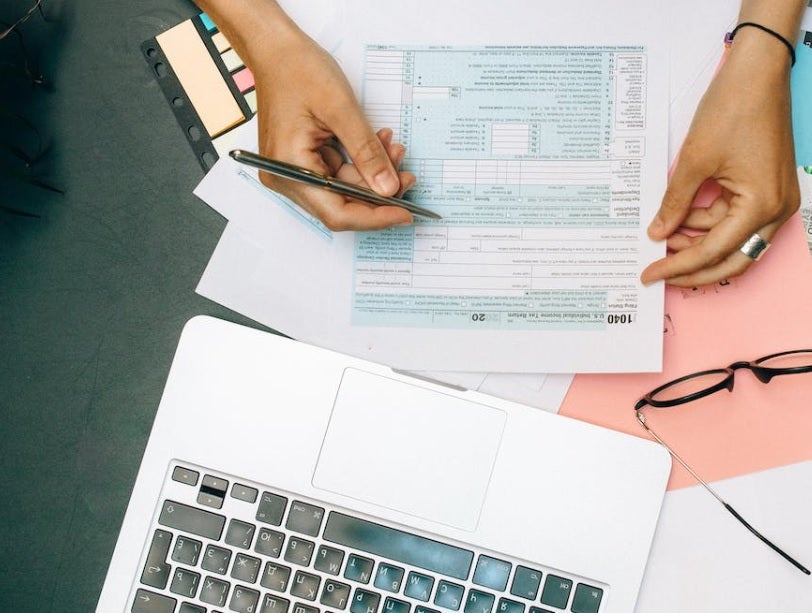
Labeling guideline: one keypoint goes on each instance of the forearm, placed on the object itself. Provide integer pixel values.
(783, 16)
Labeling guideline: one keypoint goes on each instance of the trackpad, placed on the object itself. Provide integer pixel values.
(406, 448)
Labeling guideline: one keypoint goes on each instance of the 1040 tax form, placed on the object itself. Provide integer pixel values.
(534, 158)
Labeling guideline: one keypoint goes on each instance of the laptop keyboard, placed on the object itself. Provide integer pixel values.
(224, 544)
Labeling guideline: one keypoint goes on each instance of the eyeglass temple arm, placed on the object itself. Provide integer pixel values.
(642, 419)
(767, 541)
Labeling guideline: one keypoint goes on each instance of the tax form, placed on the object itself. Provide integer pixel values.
(546, 161)
(533, 156)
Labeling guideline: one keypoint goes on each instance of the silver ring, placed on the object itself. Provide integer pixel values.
(754, 247)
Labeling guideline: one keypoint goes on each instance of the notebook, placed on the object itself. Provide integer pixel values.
(284, 478)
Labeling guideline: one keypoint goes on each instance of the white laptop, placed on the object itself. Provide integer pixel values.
(283, 478)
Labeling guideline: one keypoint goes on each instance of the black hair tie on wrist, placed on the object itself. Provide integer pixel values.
(731, 35)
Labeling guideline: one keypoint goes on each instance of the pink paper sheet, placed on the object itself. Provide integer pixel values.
(758, 426)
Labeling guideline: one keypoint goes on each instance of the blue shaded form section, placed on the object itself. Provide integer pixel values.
(801, 84)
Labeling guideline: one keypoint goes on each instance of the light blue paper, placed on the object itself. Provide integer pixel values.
(801, 84)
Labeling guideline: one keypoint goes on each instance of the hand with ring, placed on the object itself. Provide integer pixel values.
(741, 137)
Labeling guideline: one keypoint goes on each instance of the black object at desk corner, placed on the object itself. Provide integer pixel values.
(93, 296)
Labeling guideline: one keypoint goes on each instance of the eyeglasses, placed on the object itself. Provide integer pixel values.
(37, 6)
(701, 384)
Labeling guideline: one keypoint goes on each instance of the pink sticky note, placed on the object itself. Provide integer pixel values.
(244, 80)
(757, 426)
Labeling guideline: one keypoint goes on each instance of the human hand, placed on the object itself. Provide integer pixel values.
(307, 114)
(741, 136)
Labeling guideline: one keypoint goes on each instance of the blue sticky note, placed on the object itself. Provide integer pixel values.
(207, 22)
(801, 84)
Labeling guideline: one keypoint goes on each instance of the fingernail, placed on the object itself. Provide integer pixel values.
(656, 228)
(386, 182)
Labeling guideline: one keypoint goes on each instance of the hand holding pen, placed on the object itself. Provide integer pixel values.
(305, 107)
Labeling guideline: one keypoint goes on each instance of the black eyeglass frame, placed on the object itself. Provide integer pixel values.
(763, 373)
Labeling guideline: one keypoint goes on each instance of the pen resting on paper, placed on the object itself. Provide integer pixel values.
(308, 177)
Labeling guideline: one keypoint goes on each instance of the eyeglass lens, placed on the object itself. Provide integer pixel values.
(690, 385)
(788, 360)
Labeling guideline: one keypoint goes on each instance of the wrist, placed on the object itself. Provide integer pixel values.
(253, 27)
(757, 41)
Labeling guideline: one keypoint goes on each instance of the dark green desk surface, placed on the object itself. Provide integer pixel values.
(93, 297)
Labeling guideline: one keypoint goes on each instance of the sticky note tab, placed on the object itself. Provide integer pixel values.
(251, 99)
(207, 22)
(200, 78)
(244, 80)
(220, 42)
(232, 60)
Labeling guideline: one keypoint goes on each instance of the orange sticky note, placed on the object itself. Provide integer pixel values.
(200, 78)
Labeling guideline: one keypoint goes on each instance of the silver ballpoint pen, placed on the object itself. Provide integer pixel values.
(308, 177)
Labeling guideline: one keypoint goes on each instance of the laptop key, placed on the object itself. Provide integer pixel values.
(191, 519)
(184, 583)
(188, 607)
(244, 600)
(364, 601)
(418, 586)
(240, 534)
(492, 573)
(214, 591)
(216, 559)
(328, 560)
(212, 491)
(479, 602)
(358, 568)
(299, 551)
(587, 599)
(186, 550)
(526, 583)
(556, 591)
(303, 608)
(274, 604)
(185, 475)
(271, 508)
(509, 606)
(305, 585)
(245, 568)
(335, 595)
(156, 570)
(150, 602)
(389, 577)
(246, 493)
(275, 577)
(393, 605)
(269, 543)
(304, 518)
(449, 595)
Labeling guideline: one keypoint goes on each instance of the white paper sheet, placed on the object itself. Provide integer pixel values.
(702, 559)
(257, 293)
